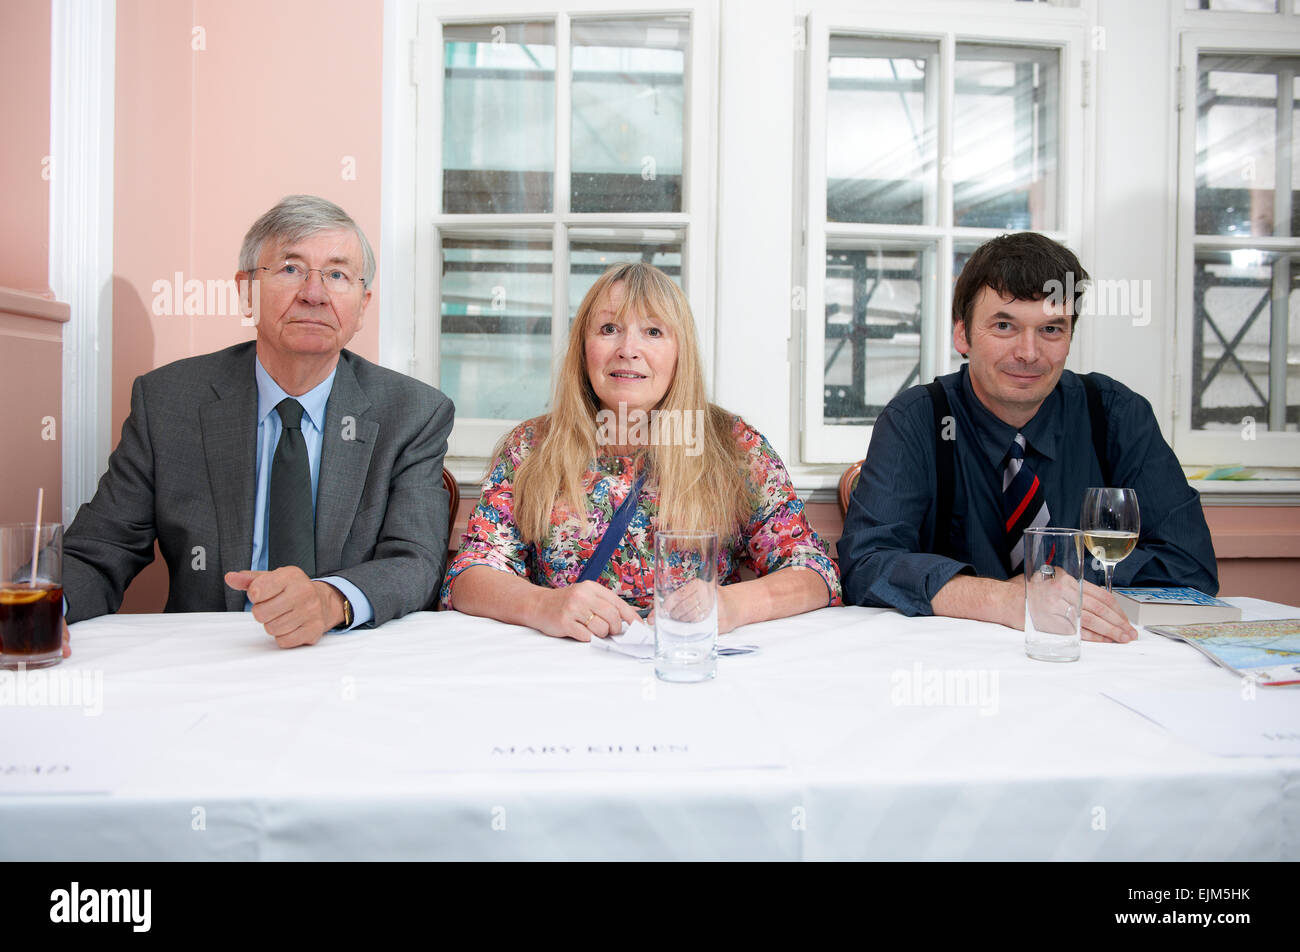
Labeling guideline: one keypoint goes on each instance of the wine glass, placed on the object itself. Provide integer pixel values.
(1110, 522)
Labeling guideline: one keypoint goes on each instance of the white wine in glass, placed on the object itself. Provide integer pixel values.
(1110, 522)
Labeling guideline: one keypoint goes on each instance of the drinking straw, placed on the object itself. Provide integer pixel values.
(36, 536)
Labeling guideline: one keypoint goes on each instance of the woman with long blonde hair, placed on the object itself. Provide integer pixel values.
(630, 409)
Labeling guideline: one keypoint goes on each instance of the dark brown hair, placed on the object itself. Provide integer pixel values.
(1025, 266)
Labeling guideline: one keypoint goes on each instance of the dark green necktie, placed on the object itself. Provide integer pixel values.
(292, 536)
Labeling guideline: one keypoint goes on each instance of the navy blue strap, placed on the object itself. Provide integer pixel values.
(613, 535)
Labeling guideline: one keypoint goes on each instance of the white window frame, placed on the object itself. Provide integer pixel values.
(1264, 448)
(83, 56)
(410, 293)
(949, 24)
(1236, 19)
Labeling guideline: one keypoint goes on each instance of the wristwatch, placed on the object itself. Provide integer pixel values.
(347, 612)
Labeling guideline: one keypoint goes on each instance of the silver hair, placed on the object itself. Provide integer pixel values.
(300, 216)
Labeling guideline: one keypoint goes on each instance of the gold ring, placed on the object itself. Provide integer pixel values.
(590, 616)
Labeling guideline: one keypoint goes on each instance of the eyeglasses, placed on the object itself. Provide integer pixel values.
(293, 274)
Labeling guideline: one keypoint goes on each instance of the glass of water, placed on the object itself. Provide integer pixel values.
(1053, 593)
(686, 605)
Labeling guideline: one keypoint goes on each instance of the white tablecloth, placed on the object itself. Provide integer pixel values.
(443, 736)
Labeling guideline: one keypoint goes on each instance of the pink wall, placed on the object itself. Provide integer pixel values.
(31, 390)
(31, 325)
(223, 108)
(25, 119)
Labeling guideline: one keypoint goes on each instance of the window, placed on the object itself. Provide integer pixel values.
(926, 137)
(1233, 6)
(1239, 248)
(550, 146)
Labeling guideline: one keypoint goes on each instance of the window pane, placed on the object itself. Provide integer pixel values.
(628, 132)
(589, 258)
(1233, 6)
(1293, 349)
(874, 313)
(1295, 155)
(1237, 147)
(881, 117)
(1004, 164)
(961, 253)
(498, 120)
(1232, 338)
(496, 327)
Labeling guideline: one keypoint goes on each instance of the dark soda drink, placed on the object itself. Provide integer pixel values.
(31, 624)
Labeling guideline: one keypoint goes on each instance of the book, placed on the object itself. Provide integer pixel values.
(1267, 652)
(1173, 606)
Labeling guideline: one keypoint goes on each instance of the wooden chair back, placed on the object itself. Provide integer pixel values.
(847, 482)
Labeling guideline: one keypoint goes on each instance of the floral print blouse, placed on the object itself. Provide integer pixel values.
(777, 536)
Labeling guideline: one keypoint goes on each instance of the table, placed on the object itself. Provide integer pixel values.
(427, 738)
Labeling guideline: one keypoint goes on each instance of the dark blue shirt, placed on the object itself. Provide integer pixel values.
(887, 553)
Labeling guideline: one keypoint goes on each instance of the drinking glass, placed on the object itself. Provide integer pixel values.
(1053, 593)
(31, 597)
(686, 605)
(1110, 522)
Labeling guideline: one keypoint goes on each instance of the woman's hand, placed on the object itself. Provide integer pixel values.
(582, 610)
(687, 604)
(779, 594)
(577, 611)
(729, 610)
(691, 603)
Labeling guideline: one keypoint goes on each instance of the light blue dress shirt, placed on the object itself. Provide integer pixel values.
(313, 403)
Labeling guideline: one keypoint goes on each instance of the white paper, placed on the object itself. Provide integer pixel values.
(645, 724)
(62, 750)
(626, 747)
(637, 640)
(1245, 722)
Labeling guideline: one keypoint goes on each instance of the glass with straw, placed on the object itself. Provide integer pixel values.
(31, 593)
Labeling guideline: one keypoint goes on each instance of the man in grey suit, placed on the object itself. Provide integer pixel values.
(284, 475)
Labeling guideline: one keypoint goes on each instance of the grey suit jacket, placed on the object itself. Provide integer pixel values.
(184, 473)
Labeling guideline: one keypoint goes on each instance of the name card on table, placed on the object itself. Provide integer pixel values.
(698, 750)
(1229, 723)
(668, 727)
(684, 727)
(64, 751)
(606, 721)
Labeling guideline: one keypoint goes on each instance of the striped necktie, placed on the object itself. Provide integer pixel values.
(1023, 503)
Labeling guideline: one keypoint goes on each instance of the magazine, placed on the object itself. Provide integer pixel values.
(1267, 652)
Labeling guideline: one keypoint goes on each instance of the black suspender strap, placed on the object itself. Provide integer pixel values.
(943, 466)
(1097, 417)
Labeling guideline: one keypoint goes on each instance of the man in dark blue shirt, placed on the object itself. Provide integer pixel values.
(1014, 407)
